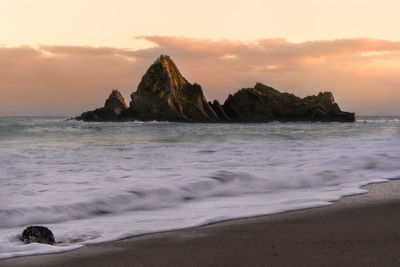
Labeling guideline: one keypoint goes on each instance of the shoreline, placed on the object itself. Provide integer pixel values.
(357, 230)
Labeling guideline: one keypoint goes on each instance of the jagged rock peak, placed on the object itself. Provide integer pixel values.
(113, 108)
(162, 76)
(115, 100)
(262, 87)
(164, 94)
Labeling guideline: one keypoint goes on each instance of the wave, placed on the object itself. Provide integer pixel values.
(380, 121)
(94, 182)
(221, 184)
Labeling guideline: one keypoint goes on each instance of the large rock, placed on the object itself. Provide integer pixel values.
(37, 234)
(164, 94)
(264, 104)
(113, 108)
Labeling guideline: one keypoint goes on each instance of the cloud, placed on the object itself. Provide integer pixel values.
(364, 74)
(61, 80)
(86, 51)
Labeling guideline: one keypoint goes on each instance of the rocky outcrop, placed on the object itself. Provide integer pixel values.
(115, 102)
(113, 108)
(37, 234)
(165, 95)
(264, 104)
(219, 110)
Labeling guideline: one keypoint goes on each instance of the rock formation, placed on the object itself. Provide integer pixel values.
(113, 108)
(165, 95)
(264, 104)
(37, 234)
(219, 110)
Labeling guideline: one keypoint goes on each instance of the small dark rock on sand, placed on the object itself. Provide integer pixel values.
(37, 234)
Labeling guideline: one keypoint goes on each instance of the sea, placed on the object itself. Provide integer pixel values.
(91, 182)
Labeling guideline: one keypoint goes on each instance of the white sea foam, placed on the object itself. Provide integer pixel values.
(95, 182)
(378, 120)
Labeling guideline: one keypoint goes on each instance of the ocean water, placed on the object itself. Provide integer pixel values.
(95, 182)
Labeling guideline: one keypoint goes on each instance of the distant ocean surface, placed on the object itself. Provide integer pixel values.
(95, 182)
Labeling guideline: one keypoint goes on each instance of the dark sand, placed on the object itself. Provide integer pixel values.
(361, 230)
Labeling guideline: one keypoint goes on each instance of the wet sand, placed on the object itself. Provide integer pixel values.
(362, 230)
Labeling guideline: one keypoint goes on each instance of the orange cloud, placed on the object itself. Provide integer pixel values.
(34, 83)
(364, 74)
(85, 50)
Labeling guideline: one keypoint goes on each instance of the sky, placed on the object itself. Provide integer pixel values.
(64, 57)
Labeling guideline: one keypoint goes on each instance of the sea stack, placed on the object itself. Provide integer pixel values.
(113, 108)
(164, 94)
(263, 104)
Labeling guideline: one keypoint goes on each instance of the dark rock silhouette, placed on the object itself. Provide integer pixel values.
(37, 234)
(264, 104)
(165, 95)
(113, 108)
(219, 110)
(115, 102)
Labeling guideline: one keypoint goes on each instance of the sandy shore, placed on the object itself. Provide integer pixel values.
(361, 230)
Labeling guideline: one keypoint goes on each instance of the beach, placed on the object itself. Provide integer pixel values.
(137, 133)
(361, 230)
(95, 184)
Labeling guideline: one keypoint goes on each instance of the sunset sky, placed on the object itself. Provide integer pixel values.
(64, 57)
